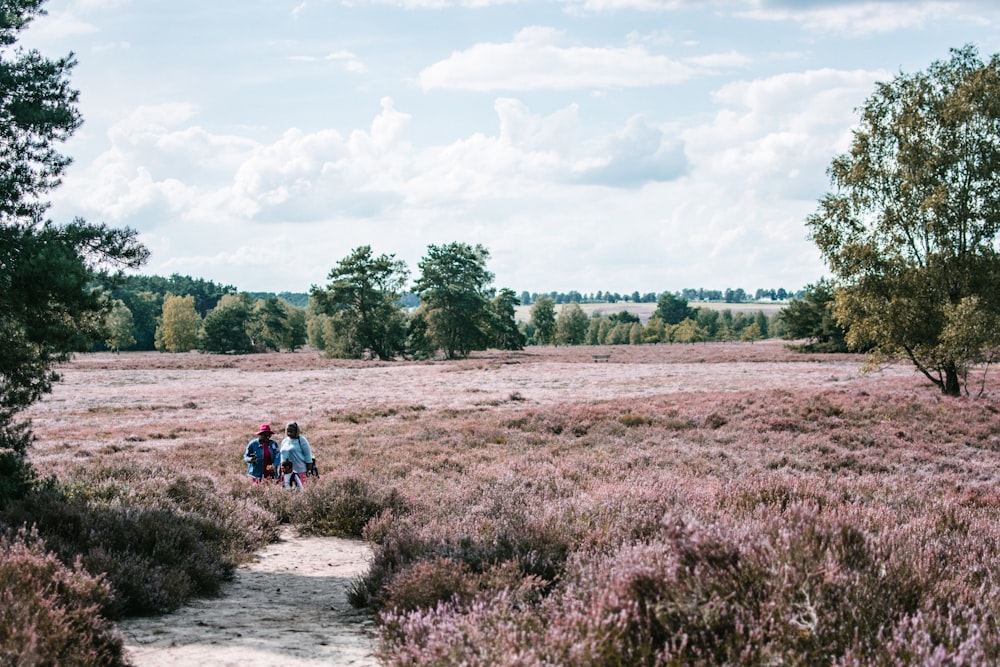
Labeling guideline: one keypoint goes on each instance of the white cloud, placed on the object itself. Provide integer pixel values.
(71, 20)
(56, 26)
(619, 5)
(350, 61)
(732, 191)
(637, 155)
(779, 133)
(867, 17)
(534, 60)
(713, 61)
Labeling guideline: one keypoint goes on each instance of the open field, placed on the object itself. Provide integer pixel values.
(707, 504)
(139, 402)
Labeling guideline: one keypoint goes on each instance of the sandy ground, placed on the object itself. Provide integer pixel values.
(289, 607)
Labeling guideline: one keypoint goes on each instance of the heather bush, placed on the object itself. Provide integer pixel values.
(701, 504)
(428, 582)
(488, 632)
(154, 558)
(495, 546)
(50, 614)
(342, 506)
(804, 587)
(159, 540)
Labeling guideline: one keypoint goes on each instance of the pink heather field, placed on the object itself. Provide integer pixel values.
(703, 504)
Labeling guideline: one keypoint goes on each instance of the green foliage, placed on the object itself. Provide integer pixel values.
(571, 325)
(594, 330)
(206, 293)
(751, 333)
(911, 228)
(297, 299)
(419, 342)
(811, 318)
(144, 295)
(673, 309)
(618, 333)
(343, 507)
(179, 325)
(453, 286)
(688, 331)
(363, 297)
(503, 331)
(709, 320)
(543, 318)
(268, 325)
(295, 335)
(624, 317)
(226, 327)
(120, 326)
(655, 331)
(47, 305)
(146, 308)
(39, 110)
(158, 539)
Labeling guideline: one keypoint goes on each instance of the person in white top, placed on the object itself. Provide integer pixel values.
(295, 448)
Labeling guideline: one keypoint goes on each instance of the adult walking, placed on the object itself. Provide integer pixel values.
(295, 448)
(262, 455)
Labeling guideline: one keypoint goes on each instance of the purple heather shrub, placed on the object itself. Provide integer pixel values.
(343, 506)
(687, 504)
(50, 614)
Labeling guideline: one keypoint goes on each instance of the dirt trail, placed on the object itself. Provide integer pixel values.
(287, 607)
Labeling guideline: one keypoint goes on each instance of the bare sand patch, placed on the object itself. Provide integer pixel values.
(287, 607)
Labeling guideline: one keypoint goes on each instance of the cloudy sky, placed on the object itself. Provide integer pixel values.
(590, 145)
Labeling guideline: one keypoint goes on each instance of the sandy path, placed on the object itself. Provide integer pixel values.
(307, 622)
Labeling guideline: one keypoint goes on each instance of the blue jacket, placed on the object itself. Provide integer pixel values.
(256, 469)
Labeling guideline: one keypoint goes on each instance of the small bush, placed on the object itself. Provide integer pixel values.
(50, 614)
(428, 582)
(400, 547)
(524, 557)
(715, 420)
(342, 507)
(158, 542)
(154, 559)
(632, 419)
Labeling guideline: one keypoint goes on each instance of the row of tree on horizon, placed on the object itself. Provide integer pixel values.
(180, 313)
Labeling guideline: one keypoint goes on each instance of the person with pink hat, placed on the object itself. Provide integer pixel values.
(262, 455)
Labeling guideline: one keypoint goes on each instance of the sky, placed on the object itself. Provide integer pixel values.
(614, 145)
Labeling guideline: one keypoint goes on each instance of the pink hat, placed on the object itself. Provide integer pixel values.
(265, 428)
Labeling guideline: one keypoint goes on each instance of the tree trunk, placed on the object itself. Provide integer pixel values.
(951, 386)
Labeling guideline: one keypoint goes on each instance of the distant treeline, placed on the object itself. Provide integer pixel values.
(728, 295)
(180, 312)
